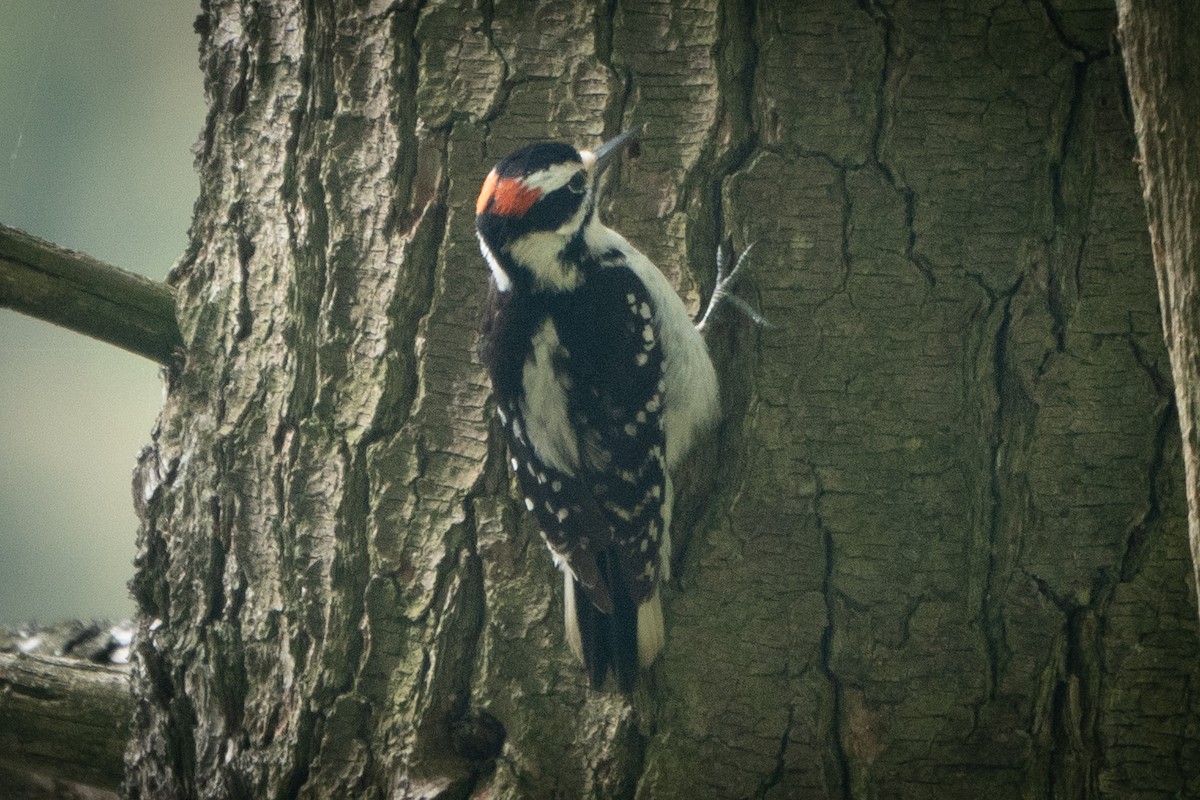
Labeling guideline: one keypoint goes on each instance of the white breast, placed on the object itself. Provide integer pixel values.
(544, 405)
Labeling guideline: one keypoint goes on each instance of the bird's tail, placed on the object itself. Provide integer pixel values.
(625, 641)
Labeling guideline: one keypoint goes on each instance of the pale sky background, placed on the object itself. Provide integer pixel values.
(100, 104)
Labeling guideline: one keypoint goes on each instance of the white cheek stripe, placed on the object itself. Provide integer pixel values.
(540, 254)
(503, 282)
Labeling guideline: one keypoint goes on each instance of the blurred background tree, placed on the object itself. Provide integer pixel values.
(102, 103)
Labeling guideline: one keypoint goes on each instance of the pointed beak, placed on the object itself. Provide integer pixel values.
(606, 153)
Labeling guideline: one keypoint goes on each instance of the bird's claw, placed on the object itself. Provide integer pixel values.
(722, 290)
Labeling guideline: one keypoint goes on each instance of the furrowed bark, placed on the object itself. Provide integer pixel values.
(935, 547)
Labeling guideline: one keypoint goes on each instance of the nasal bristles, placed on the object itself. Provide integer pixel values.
(505, 197)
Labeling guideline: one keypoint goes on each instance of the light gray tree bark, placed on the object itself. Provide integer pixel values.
(1160, 41)
(937, 546)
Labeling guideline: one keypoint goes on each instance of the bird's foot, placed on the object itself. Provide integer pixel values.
(722, 290)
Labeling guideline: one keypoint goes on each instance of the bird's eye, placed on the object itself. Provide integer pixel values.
(578, 183)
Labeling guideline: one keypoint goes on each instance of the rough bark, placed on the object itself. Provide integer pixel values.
(935, 549)
(1160, 41)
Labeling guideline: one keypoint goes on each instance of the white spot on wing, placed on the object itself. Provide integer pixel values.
(687, 368)
(620, 511)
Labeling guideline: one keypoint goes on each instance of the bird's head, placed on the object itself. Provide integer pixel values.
(533, 203)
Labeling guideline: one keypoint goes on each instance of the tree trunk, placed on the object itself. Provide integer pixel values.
(1160, 41)
(935, 549)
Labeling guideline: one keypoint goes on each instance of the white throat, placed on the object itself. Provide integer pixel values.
(541, 253)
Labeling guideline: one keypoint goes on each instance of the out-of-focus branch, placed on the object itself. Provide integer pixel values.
(63, 719)
(78, 292)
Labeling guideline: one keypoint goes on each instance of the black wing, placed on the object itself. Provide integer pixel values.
(616, 365)
(601, 509)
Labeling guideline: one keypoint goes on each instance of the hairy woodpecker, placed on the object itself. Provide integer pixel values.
(602, 385)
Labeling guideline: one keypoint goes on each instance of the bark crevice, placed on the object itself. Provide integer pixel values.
(945, 551)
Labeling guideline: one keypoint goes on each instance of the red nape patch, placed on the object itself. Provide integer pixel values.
(505, 197)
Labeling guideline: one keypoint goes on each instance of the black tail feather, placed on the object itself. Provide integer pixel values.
(609, 641)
